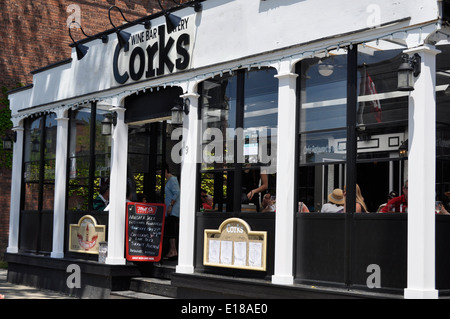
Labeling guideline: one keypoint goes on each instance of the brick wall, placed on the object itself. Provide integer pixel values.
(34, 34)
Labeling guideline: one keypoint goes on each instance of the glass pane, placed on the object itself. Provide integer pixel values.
(323, 147)
(316, 185)
(48, 197)
(33, 129)
(78, 196)
(102, 164)
(219, 121)
(382, 113)
(259, 140)
(102, 142)
(50, 136)
(80, 132)
(214, 195)
(379, 100)
(31, 196)
(261, 118)
(79, 167)
(49, 170)
(31, 171)
(323, 91)
(261, 99)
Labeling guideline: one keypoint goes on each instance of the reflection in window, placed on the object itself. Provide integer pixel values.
(84, 181)
(239, 138)
(323, 83)
(39, 162)
(382, 124)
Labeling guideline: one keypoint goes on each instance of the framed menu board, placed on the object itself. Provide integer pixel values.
(235, 245)
(144, 231)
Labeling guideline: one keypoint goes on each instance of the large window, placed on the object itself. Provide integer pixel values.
(322, 86)
(239, 116)
(353, 124)
(38, 183)
(381, 125)
(89, 158)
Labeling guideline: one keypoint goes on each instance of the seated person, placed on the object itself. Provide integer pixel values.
(398, 204)
(335, 202)
(208, 205)
(267, 205)
(360, 204)
(390, 196)
(302, 208)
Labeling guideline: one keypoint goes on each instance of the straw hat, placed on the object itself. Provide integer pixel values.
(336, 197)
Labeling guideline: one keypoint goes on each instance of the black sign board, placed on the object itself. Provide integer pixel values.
(144, 231)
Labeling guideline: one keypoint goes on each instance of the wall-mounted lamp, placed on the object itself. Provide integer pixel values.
(172, 21)
(122, 36)
(79, 48)
(410, 68)
(178, 110)
(110, 119)
(403, 149)
(9, 140)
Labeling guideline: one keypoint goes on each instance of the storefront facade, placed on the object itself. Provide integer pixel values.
(282, 98)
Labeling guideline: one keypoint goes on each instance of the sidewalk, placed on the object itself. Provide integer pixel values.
(12, 291)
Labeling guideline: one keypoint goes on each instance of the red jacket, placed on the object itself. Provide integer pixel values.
(397, 205)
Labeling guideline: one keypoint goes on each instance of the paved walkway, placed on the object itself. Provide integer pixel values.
(12, 291)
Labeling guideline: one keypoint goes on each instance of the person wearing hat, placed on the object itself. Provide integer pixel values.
(335, 202)
(390, 196)
(398, 204)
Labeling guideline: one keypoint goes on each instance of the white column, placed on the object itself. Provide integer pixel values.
(117, 191)
(191, 147)
(16, 186)
(62, 131)
(284, 217)
(421, 180)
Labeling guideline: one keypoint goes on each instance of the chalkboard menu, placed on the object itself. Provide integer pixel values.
(144, 231)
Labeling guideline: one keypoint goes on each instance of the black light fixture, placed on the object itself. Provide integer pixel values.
(8, 141)
(410, 68)
(79, 48)
(110, 119)
(178, 110)
(172, 21)
(403, 149)
(122, 36)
